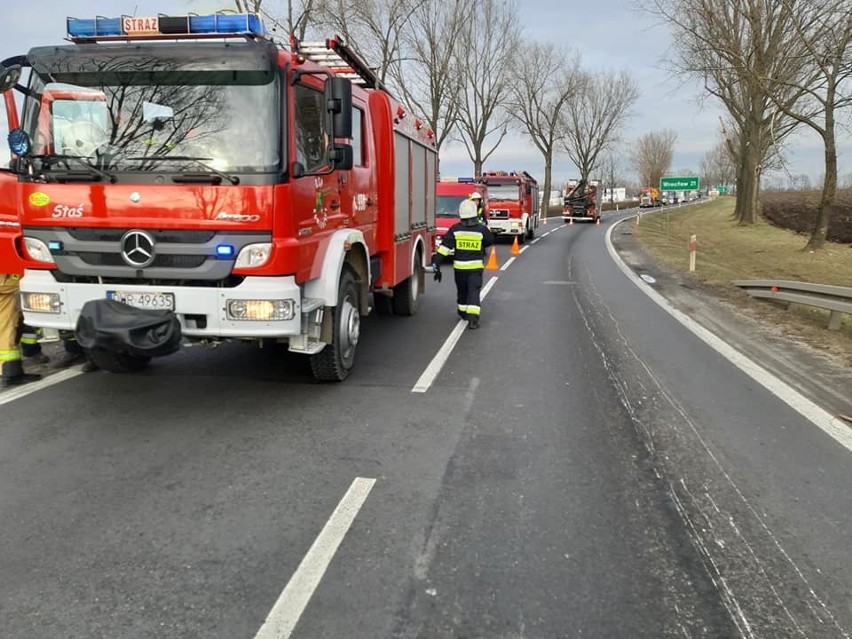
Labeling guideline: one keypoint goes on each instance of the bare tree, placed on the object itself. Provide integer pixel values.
(728, 44)
(718, 166)
(373, 27)
(610, 168)
(484, 54)
(652, 156)
(426, 72)
(283, 25)
(824, 27)
(544, 79)
(592, 120)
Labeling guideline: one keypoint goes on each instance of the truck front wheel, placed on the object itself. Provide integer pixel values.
(334, 362)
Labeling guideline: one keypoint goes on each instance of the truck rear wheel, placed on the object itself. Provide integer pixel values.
(117, 362)
(334, 362)
(406, 294)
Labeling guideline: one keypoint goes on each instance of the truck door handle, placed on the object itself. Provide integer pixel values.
(335, 205)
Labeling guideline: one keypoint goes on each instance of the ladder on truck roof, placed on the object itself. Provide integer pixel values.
(342, 60)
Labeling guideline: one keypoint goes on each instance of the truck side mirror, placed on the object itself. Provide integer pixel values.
(340, 156)
(338, 104)
(9, 77)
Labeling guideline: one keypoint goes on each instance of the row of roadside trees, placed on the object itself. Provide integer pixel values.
(775, 66)
(467, 68)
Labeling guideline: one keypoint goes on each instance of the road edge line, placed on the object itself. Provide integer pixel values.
(807, 408)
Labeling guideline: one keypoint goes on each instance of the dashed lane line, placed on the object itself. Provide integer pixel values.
(285, 614)
(428, 377)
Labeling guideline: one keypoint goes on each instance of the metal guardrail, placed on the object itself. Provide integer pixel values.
(835, 299)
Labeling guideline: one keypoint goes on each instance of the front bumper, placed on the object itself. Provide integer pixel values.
(506, 227)
(201, 311)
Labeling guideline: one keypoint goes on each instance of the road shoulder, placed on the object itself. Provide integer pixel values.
(821, 376)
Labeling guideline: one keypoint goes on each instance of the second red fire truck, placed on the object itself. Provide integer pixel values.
(187, 178)
(514, 203)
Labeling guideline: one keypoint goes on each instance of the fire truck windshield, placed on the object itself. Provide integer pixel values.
(503, 192)
(448, 205)
(130, 113)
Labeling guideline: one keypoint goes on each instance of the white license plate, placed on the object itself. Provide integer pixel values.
(143, 299)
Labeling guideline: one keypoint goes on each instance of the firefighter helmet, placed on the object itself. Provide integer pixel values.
(476, 195)
(467, 209)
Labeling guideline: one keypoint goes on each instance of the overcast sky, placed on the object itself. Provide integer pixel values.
(609, 34)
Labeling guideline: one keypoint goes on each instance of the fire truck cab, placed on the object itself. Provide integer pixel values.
(187, 178)
(450, 192)
(513, 202)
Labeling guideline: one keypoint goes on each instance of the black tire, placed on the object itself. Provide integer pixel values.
(117, 362)
(406, 294)
(383, 304)
(334, 362)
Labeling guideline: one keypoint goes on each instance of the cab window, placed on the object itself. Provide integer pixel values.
(310, 139)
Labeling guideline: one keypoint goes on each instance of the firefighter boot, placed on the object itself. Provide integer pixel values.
(473, 322)
(14, 375)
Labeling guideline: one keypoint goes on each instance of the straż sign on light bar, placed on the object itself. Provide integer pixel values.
(140, 26)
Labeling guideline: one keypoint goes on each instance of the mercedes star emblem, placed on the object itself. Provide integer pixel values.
(135, 197)
(137, 248)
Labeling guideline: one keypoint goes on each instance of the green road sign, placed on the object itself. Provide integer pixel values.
(722, 188)
(679, 184)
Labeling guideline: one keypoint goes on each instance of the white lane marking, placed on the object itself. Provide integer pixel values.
(523, 249)
(32, 387)
(487, 288)
(829, 424)
(507, 264)
(535, 240)
(285, 614)
(428, 377)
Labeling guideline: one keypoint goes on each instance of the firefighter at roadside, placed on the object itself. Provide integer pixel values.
(476, 196)
(465, 245)
(10, 321)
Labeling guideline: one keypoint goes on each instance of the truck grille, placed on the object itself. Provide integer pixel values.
(179, 255)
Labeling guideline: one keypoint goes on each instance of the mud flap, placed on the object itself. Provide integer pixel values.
(120, 328)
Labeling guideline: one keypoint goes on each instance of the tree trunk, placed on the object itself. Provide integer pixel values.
(545, 197)
(748, 176)
(829, 186)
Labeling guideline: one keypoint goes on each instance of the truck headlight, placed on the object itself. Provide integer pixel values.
(260, 310)
(253, 255)
(41, 302)
(38, 250)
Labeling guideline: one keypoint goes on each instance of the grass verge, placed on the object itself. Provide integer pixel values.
(728, 251)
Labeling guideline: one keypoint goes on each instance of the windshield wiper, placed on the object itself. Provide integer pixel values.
(190, 177)
(90, 172)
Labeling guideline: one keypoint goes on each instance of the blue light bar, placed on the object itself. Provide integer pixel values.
(54, 245)
(225, 250)
(128, 27)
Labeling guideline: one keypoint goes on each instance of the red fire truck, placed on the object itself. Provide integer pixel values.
(450, 192)
(513, 203)
(186, 178)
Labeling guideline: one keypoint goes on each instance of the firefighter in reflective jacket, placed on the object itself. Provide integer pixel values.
(465, 244)
(10, 323)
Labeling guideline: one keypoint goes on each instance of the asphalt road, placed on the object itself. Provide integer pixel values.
(582, 466)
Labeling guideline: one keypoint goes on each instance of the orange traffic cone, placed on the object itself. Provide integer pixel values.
(544, 220)
(492, 261)
(515, 249)
(598, 220)
(570, 220)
